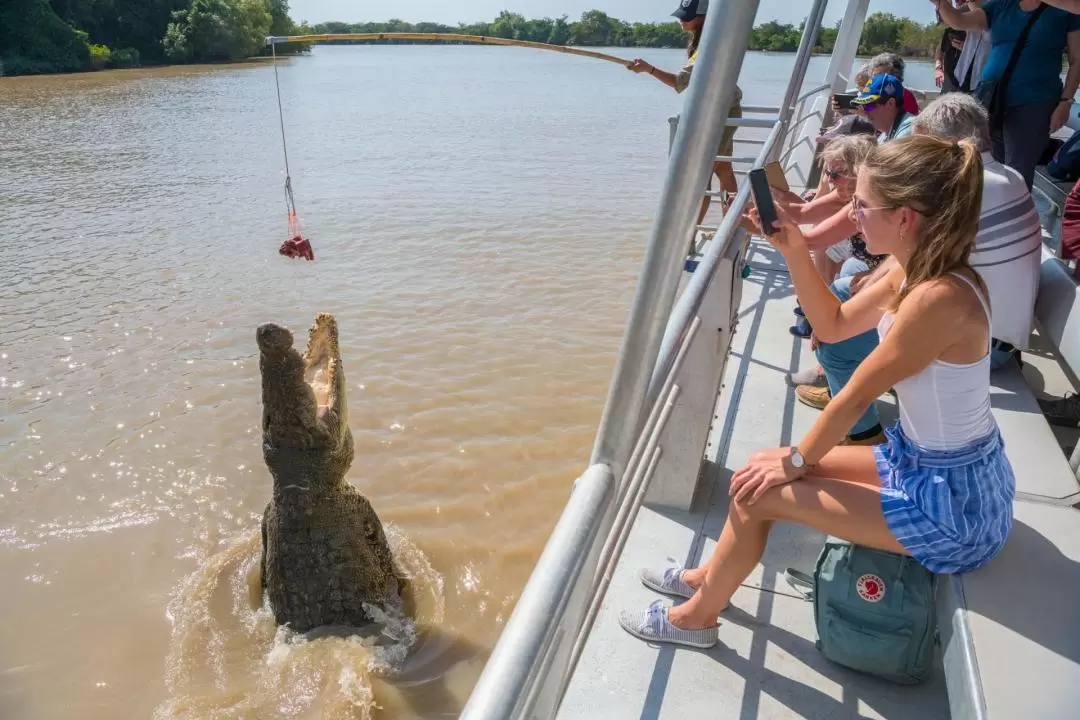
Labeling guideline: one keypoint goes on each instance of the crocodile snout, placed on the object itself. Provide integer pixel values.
(273, 338)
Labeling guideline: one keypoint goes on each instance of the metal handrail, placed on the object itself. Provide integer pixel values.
(690, 302)
(508, 686)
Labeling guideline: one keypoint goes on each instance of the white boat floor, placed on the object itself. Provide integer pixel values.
(766, 664)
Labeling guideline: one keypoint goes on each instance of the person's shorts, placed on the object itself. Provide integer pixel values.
(727, 142)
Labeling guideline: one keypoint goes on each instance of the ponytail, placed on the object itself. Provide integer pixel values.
(942, 180)
(695, 39)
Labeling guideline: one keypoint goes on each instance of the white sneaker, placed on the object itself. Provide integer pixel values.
(667, 581)
(652, 625)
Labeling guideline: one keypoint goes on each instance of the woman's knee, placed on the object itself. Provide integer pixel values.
(767, 508)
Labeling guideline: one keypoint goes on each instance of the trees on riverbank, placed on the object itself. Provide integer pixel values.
(43, 36)
(48, 36)
(882, 33)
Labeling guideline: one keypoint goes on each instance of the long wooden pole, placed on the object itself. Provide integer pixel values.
(479, 39)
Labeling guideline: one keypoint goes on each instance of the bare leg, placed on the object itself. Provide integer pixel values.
(726, 173)
(842, 498)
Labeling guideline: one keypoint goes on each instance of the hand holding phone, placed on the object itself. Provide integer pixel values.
(775, 224)
(843, 100)
(763, 201)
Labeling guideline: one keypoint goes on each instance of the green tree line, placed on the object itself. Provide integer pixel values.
(882, 33)
(43, 36)
(48, 36)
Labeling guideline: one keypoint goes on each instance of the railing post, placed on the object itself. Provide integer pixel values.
(708, 103)
(847, 45)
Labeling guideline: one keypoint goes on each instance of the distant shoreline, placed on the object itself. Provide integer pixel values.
(260, 59)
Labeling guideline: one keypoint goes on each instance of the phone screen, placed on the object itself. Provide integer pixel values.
(843, 100)
(763, 200)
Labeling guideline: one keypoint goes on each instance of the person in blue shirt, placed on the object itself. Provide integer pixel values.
(883, 102)
(1036, 102)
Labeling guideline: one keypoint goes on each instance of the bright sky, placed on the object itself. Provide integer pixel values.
(452, 12)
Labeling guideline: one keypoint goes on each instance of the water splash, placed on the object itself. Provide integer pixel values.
(228, 659)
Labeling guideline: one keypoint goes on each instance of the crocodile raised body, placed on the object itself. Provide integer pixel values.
(325, 559)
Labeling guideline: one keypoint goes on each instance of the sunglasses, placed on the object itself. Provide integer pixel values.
(860, 209)
(835, 175)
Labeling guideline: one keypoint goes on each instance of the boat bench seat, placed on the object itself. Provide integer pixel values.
(1055, 190)
(1010, 631)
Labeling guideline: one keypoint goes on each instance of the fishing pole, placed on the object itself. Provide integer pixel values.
(477, 39)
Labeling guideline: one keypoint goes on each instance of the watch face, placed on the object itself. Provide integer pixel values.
(797, 460)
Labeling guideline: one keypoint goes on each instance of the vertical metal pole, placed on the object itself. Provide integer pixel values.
(847, 45)
(692, 295)
(726, 36)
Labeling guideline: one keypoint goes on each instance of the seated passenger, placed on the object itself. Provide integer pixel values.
(941, 489)
(1008, 248)
(882, 101)
(893, 64)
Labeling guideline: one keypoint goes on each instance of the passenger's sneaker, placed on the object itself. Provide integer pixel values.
(814, 396)
(814, 376)
(667, 581)
(652, 625)
(1064, 412)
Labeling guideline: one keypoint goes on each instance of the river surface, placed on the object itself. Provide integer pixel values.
(478, 216)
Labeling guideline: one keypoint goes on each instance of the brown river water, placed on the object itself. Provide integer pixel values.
(478, 216)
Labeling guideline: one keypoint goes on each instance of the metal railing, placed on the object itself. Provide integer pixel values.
(534, 659)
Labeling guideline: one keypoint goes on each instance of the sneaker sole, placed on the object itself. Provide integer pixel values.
(668, 641)
(807, 403)
(663, 591)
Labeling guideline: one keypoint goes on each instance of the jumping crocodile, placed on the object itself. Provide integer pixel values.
(324, 552)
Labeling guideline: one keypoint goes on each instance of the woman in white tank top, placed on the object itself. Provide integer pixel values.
(941, 488)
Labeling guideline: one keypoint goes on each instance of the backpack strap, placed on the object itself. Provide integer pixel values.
(801, 583)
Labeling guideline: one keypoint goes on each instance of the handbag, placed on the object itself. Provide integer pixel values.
(874, 610)
(991, 93)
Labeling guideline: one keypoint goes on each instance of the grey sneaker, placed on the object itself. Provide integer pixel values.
(667, 581)
(652, 625)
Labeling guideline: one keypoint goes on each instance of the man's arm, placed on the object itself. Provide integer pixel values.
(973, 19)
(1072, 82)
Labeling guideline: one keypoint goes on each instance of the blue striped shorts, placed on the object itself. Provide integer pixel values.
(952, 510)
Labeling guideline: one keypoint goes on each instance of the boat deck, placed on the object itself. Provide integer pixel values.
(766, 664)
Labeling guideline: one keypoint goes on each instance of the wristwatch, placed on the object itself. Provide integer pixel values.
(797, 460)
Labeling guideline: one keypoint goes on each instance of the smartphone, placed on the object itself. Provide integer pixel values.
(763, 200)
(843, 100)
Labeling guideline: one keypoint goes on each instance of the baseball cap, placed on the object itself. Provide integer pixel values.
(848, 125)
(881, 88)
(690, 9)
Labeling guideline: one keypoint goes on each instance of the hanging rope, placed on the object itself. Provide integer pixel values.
(297, 246)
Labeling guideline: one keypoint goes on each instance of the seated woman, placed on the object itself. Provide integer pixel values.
(941, 488)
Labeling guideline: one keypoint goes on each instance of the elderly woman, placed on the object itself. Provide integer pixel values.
(1033, 103)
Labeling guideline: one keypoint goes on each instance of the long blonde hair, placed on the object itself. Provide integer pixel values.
(942, 180)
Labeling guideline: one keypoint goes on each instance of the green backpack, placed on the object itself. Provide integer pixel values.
(874, 610)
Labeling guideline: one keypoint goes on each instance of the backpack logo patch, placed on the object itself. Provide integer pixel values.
(870, 588)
